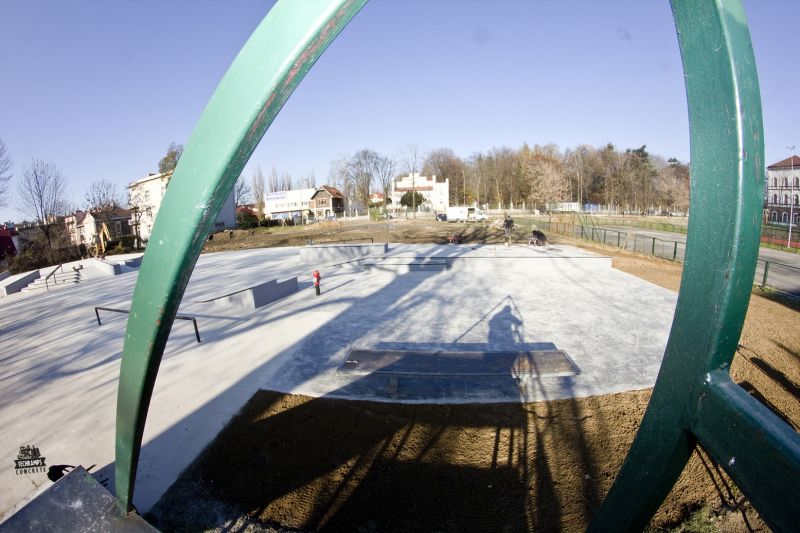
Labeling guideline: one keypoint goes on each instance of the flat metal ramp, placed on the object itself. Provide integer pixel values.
(76, 502)
(539, 363)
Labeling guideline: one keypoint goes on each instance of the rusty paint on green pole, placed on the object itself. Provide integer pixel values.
(262, 77)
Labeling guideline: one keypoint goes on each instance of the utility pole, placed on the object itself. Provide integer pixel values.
(791, 196)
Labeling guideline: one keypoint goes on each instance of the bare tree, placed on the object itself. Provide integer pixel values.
(102, 198)
(242, 192)
(446, 165)
(286, 182)
(274, 182)
(311, 180)
(359, 174)
(5, 173)
(385, 168)
(259, 191)
(41, 195)
(413, 163)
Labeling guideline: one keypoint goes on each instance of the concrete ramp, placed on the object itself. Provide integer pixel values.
(256, 296)
(320, 254)
(76, 502)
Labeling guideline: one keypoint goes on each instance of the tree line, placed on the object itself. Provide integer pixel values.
(537, 177)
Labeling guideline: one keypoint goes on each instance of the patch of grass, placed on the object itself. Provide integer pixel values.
(699, 520)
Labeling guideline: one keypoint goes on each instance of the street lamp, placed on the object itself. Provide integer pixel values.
(791, 196)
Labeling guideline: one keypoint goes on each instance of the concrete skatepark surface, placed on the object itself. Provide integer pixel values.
(59, 368)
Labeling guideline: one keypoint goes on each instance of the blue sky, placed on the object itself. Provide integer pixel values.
(101, 88)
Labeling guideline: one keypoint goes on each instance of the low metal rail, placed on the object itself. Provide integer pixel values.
(60, 268)
(179, 317)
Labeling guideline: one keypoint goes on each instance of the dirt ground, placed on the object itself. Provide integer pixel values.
(290, 462)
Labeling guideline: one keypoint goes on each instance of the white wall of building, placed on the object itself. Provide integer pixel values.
(286, 204)
(148, 193)
(437, 195)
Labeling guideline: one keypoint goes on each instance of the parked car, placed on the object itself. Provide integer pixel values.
(441, 217)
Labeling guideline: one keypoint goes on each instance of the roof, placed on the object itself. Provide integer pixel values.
(149, 177)
(115, 212)
(335, 193)
(787, 163)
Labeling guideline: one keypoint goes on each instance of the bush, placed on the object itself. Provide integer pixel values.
(246, 219)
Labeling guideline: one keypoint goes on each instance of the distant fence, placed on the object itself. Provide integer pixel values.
(769, 274)
(633, 242)
(771, 236)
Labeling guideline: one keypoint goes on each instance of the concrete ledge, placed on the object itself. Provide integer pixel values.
(77, 502)
(107, 268)
(329, 253)
(482, 264)
(4, 275)
(18, 283)
(258, 295)
(403, 267)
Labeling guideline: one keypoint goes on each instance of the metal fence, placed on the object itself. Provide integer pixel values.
(666, 249)
(769, 274)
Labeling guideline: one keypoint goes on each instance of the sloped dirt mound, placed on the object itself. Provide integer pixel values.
(341, 465)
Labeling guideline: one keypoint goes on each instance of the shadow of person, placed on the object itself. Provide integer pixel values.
(505, 328)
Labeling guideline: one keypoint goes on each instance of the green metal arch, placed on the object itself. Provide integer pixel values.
(727, 170)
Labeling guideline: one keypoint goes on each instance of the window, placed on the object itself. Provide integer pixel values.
(796, 218)
(785, 199)
(774, 182)
(785, 217)
(774, 198)
(774, 216)
(796, 181)
(785, 181)
(796, 200)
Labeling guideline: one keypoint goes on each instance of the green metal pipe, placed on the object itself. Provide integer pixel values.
(727, 154)
(262, 77)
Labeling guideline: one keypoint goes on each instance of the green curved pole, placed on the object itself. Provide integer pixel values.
(727, 157)
(262, 77)
(694, 397)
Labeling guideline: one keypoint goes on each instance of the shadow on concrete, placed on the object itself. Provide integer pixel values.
(328, 463)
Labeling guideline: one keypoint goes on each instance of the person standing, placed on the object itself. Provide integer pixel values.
(508, 225)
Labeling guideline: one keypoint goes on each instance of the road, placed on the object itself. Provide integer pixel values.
(784, 267)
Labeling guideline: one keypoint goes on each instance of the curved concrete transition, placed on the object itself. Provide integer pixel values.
(59, 368)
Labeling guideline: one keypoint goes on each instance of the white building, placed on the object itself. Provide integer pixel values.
(782, 195)
(145, 196)
(288, 204)
(437, 194)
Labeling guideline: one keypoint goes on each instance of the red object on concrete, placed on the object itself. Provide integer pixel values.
(316, 277)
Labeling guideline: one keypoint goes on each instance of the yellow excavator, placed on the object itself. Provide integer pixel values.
(101, 239)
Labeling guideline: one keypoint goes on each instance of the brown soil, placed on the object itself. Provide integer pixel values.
(289, 461)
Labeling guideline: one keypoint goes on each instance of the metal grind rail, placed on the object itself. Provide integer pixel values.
(123, 311)
(694, 401)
